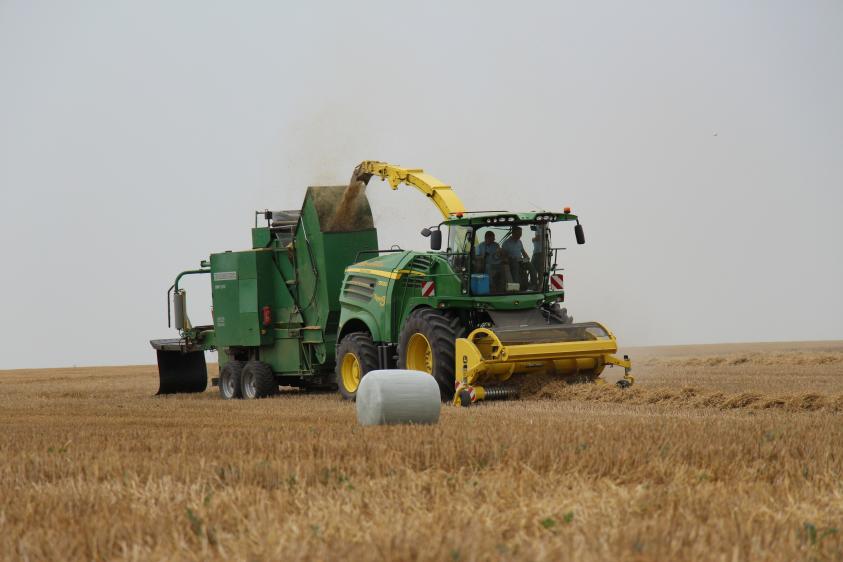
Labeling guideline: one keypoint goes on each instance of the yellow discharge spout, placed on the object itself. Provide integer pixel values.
(445, 199)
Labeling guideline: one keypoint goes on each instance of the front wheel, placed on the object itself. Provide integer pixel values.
(427, 344)
(356, 356)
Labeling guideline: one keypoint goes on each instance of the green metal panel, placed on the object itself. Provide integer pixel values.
(341, 250)
(248, 295)
(226, 298)
(284, 355)
(261, 237)
(246, 264)
(239, 293)
(323, 249)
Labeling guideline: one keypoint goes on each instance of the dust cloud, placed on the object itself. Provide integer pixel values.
(347, 213)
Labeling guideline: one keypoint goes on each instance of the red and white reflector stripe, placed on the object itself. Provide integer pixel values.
(471, 391)
(428, 289)
(556, 282)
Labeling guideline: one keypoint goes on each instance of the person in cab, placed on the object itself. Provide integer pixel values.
(489, 261)
(514, 254)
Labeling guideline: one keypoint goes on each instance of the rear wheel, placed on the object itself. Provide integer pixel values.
(356, 356)
(427, 344)
(230, 380)
(258, 380)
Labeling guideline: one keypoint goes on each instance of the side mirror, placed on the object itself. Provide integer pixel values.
(579, 234)
(435, 239)
(425, 232)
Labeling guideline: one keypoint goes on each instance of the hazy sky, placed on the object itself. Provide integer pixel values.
(701, 144)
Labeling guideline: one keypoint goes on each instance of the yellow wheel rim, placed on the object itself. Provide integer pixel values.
(350, 370)
(419, 354)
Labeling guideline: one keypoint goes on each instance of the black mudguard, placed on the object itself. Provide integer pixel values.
(181, 367)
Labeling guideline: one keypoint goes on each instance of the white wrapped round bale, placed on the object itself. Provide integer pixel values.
(392, 396)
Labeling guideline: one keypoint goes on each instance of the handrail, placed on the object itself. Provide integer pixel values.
(175, 286)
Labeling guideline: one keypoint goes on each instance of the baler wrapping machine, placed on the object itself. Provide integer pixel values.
(277, 303)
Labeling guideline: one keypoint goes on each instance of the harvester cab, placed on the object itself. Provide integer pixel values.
(316, 304)
(505, 253)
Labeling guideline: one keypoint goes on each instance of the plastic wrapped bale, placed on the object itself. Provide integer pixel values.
(393, 396)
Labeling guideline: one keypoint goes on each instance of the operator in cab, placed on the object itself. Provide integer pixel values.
(513, 252)
(488, 256)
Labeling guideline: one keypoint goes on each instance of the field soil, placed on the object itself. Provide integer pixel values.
(728, 452)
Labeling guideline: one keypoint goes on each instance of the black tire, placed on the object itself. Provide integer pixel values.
(360, 348)
(257, 381)
(441, 331)
(230, 380)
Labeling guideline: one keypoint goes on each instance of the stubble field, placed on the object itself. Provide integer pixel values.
(717, 453)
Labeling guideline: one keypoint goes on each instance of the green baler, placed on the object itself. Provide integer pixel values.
(316, 304)
(275, 304)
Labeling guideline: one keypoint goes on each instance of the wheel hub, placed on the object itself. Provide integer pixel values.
(350, 370)
(419, 354)
(229, 386)
(249, 385)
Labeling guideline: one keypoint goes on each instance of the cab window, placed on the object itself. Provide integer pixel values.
(510, 259)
